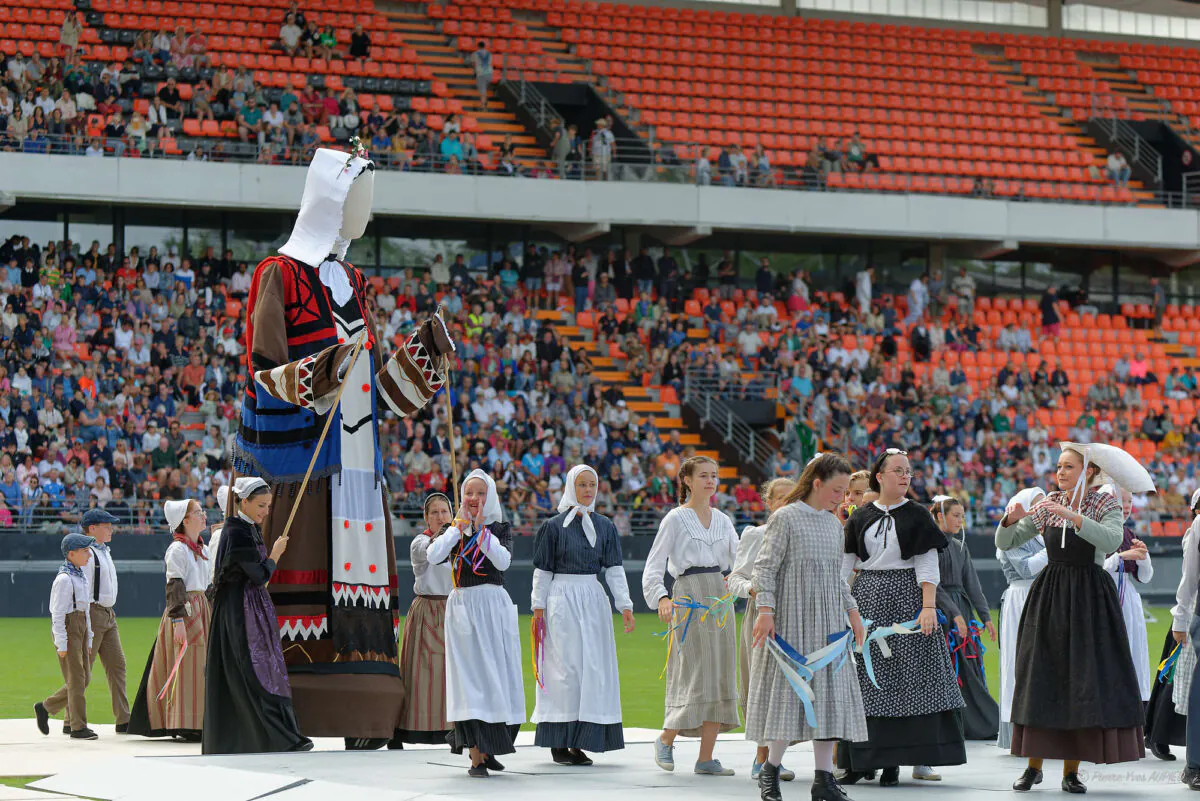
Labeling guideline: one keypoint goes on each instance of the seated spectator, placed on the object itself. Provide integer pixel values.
(106, 95)
(1118, 169)
(360, 43)
(142, 50)
(326, 44)
(171, 99)
(202, 100)
(451, 148)
(289, 35)
(312, 105)
(18, 127)
(162, 47)
(250, 122)
(114, 134)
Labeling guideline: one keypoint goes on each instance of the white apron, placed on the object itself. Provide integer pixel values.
(1012, 603)
(483, 657)
(579, 655)
(1135, 626)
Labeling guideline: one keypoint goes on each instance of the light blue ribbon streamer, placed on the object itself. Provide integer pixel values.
(880, 635)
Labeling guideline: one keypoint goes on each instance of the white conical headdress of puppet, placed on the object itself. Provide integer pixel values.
(336, 207)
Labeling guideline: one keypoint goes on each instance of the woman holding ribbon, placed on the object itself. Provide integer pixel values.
(912, 701)
(485, 694)
(248, 700)
(170, 700)
(696, 544)
(423, 649)
(1020, 565)
(960, 598)
(802, 599)
(740, 583)
(1166, 720)
(578, 691)
(1076, 696)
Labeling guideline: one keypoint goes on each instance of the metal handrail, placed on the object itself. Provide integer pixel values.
(534, 102)
(704, 396)
(1133, 144)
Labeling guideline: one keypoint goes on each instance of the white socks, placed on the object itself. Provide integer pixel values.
(823, 754)
(775, 750)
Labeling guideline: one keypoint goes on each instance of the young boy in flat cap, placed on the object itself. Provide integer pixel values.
(70, 623)
(106, 639)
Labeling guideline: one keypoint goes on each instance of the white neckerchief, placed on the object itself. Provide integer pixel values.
(334, 277)
(569, 501)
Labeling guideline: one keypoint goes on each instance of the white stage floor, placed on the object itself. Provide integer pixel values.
(118, 768)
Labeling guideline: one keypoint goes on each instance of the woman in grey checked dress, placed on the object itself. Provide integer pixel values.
(739, 582)
(803, 598)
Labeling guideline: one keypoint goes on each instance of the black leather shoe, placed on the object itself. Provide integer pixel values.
(478, 772)
(1162, 751)
(768, 783)
(491, 763)
(889, 777)
(122, 728)
(84, 734)
(1030, 777)
(66, 728)
(852, 777)
(1071, 784)
(825, 788)
(561, 756)
(577, 757)
(1189, 773)
(43, 717)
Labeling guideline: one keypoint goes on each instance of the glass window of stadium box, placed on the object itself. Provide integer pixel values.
(253, 237)
(1184, 286)
(41, 222)
(160, 228)
(205, 229)
(364, 252)
(87, 224)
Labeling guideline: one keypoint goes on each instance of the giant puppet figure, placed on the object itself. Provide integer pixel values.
(335, 588)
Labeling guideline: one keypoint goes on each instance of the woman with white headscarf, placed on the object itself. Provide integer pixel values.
(578, 693)
(1076, 692)
(248, 699)
(170, 700)
(485, 693)
(1129, 566)
(214, 537)
(1020, 565)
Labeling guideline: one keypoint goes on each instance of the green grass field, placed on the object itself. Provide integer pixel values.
(29, 671)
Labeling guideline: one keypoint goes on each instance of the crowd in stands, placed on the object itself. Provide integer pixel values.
(120, 379)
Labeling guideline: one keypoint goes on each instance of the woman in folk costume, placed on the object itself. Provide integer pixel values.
(696, 544)
(1020, 565)
(802, 598)
(485, 693)
(1166, 714)
(308, 334)
(961, 600)
(1185, 626)
(170, 700)
(248, 703)
(739, 582)
(578, 705)
(1076, 696)
(423, 651)
(913, 715)
(1129, 566)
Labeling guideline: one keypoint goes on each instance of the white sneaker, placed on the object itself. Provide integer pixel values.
(926, 773)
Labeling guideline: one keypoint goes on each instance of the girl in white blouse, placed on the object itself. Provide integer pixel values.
(697, 545)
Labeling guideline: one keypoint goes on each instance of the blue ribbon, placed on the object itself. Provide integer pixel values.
(799, 668)
(1166, 668)
(880, 635)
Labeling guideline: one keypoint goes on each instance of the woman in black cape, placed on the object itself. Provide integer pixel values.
(247, 702)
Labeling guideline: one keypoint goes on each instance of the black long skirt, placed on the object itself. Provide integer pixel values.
(240, 715)
(981, 716)
(914, 717)
(1076, 692)
(490, 738)
(1164, 725)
